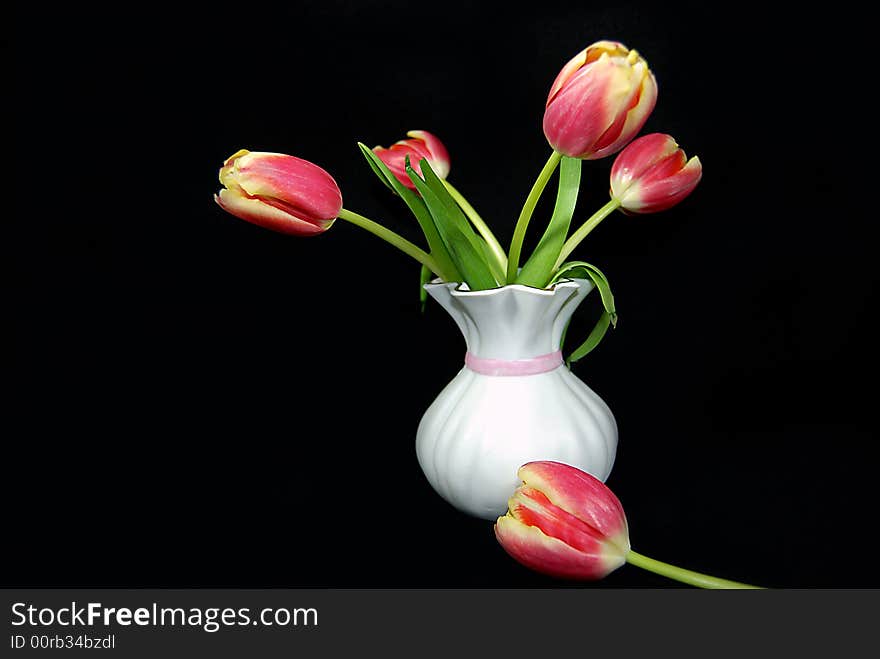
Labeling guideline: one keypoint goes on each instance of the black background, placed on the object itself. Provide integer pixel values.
(199, 402)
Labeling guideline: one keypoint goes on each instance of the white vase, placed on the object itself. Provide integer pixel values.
(483, 426)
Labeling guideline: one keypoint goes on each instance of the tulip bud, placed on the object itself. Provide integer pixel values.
(653, 174)
(421, 145)
(564, 522)
(599, 101)
(279, 192)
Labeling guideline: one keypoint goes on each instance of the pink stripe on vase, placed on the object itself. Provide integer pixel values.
(508, 367)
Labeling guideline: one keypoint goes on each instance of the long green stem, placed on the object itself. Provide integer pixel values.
(684, 576)
(481, 226)
(575, 238)
(522, 223)
(398, 241)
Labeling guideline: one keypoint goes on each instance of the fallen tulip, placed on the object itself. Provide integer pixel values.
(565, 523)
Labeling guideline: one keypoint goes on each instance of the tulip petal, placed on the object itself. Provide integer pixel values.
(395, 161)
(636, 116)
(235, 156)
(542, 553)
(265, 215)
(664, 168)
(415, 150)
(532, 507)
(439, 156)
(226, 172)
(637, 157)
(586, 107)
(663, 193)
(291, 180)
(623, 101)
(589, 54)
(612, 48)
(571, 67)
(579, 494)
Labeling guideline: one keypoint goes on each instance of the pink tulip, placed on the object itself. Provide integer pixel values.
(564, 522)
(599, 101)
(421, 144)
(279, 192)
(653, 174)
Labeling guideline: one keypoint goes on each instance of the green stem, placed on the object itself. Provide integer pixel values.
(684, 576)
(480, 225)
(398, 241)
(525, 215)
(575, 238)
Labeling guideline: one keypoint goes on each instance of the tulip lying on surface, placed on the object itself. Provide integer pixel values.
(652, 174)
(565, 523)
(421, 144)
(279, 192)
(599, 101)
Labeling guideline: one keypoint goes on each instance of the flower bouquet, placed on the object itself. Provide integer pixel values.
(515, 401)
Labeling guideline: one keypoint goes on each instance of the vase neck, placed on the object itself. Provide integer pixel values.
(512, 323)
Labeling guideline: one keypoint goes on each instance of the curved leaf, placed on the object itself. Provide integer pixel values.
(435, 245)
(584, 270)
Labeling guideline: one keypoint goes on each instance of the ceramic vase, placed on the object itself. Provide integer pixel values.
(514, 401)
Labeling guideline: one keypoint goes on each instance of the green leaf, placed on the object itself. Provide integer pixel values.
(495, 267)
(380, 169)
(537, 270)
(456, 232)
(424, 278)
(584, 270)
(435, 245)
(452, 209)
(592, 340)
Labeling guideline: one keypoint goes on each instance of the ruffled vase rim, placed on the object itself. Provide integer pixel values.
(461, 289)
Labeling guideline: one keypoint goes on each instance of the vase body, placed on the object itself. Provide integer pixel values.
(484, 426)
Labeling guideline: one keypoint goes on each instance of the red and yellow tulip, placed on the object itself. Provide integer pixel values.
(652, 174)
(599, 101)
(421, 144)
(279, 192)
(564, 522)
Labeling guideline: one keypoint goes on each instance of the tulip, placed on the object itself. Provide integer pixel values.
(279, 192)
(294, 196)
(421, 144)
(599, 101)
(565, 523)
(652, 174)
(424, 145)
